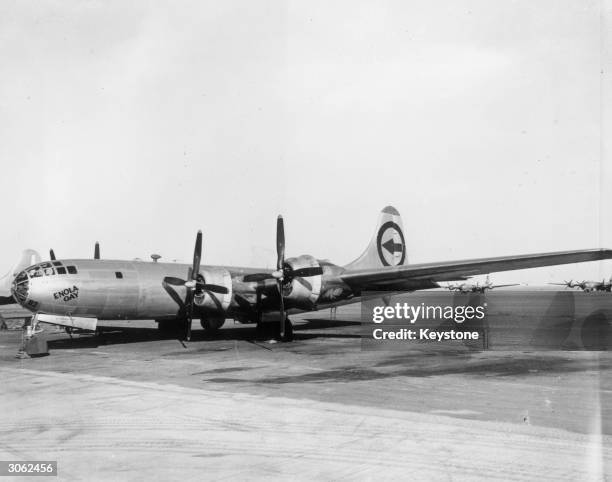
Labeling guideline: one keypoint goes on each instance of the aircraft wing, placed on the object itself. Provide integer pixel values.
(386, 277)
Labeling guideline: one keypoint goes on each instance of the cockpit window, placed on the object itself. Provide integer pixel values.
(61, 270)
(49, 271)
(57, 263)
(35, 272)
(72, 270)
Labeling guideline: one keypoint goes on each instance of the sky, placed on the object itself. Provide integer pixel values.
(135, 124)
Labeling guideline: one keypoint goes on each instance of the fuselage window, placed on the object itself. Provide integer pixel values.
(61, 270)
(72, 270)
(119, 274)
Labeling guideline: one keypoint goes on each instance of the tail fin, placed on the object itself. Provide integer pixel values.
(388, 247)
(28, 258)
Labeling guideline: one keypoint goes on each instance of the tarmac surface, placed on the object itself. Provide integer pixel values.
(131, 404)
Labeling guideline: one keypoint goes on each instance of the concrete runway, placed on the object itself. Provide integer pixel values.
(132, 405)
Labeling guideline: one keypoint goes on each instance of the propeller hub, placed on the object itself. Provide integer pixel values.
(191, 284)
(279, 274)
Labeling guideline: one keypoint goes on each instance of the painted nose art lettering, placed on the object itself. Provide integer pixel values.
(67, 294)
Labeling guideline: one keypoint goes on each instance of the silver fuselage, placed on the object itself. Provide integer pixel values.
(108, 289)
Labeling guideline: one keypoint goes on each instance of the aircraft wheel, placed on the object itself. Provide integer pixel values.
(212, 325)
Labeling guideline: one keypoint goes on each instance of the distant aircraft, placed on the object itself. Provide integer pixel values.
(79, 292)
(588, 286)
(476, 287)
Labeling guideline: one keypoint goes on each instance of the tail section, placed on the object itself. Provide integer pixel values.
(28, 258)
(388, 247)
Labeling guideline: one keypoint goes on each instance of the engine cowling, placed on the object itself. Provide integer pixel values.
(215, 302)
(303, 292)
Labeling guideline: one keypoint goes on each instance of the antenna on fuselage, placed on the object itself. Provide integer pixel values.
(155, 257)
(97, 251)
(52, 255)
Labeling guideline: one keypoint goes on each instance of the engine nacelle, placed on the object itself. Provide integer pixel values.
(216, 302)
(303, 292)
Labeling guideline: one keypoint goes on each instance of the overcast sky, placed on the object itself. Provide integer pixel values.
(138, 123)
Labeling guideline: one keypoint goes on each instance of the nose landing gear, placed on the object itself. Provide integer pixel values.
(32, 345)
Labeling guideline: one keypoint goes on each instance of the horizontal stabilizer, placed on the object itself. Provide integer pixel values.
(28, 258)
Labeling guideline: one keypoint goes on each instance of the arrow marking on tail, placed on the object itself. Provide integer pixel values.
(391, 247)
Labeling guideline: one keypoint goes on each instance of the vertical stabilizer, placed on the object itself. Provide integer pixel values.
(387, 247)
(28, 258)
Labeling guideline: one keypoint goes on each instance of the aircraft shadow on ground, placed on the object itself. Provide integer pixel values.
(110, 335)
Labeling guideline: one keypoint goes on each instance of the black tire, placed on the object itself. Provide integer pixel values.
(211, 326)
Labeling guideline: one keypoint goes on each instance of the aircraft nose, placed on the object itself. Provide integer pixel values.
(21, 287)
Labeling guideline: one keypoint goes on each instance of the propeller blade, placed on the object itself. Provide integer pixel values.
(189, 314)
(171, 280)
(215, 300)
(188, 328)
(175, 296)
(212, 288)
(52, 255)
(244, 304)
(306, 272)
(304, 283)
(97, 251)
(197, 256)
(249, 278)
(279, 284)
(280, 243)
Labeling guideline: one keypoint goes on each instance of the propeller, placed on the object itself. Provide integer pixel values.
(284, 273)
(279, 274)
(568, 284)
(195, 285)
